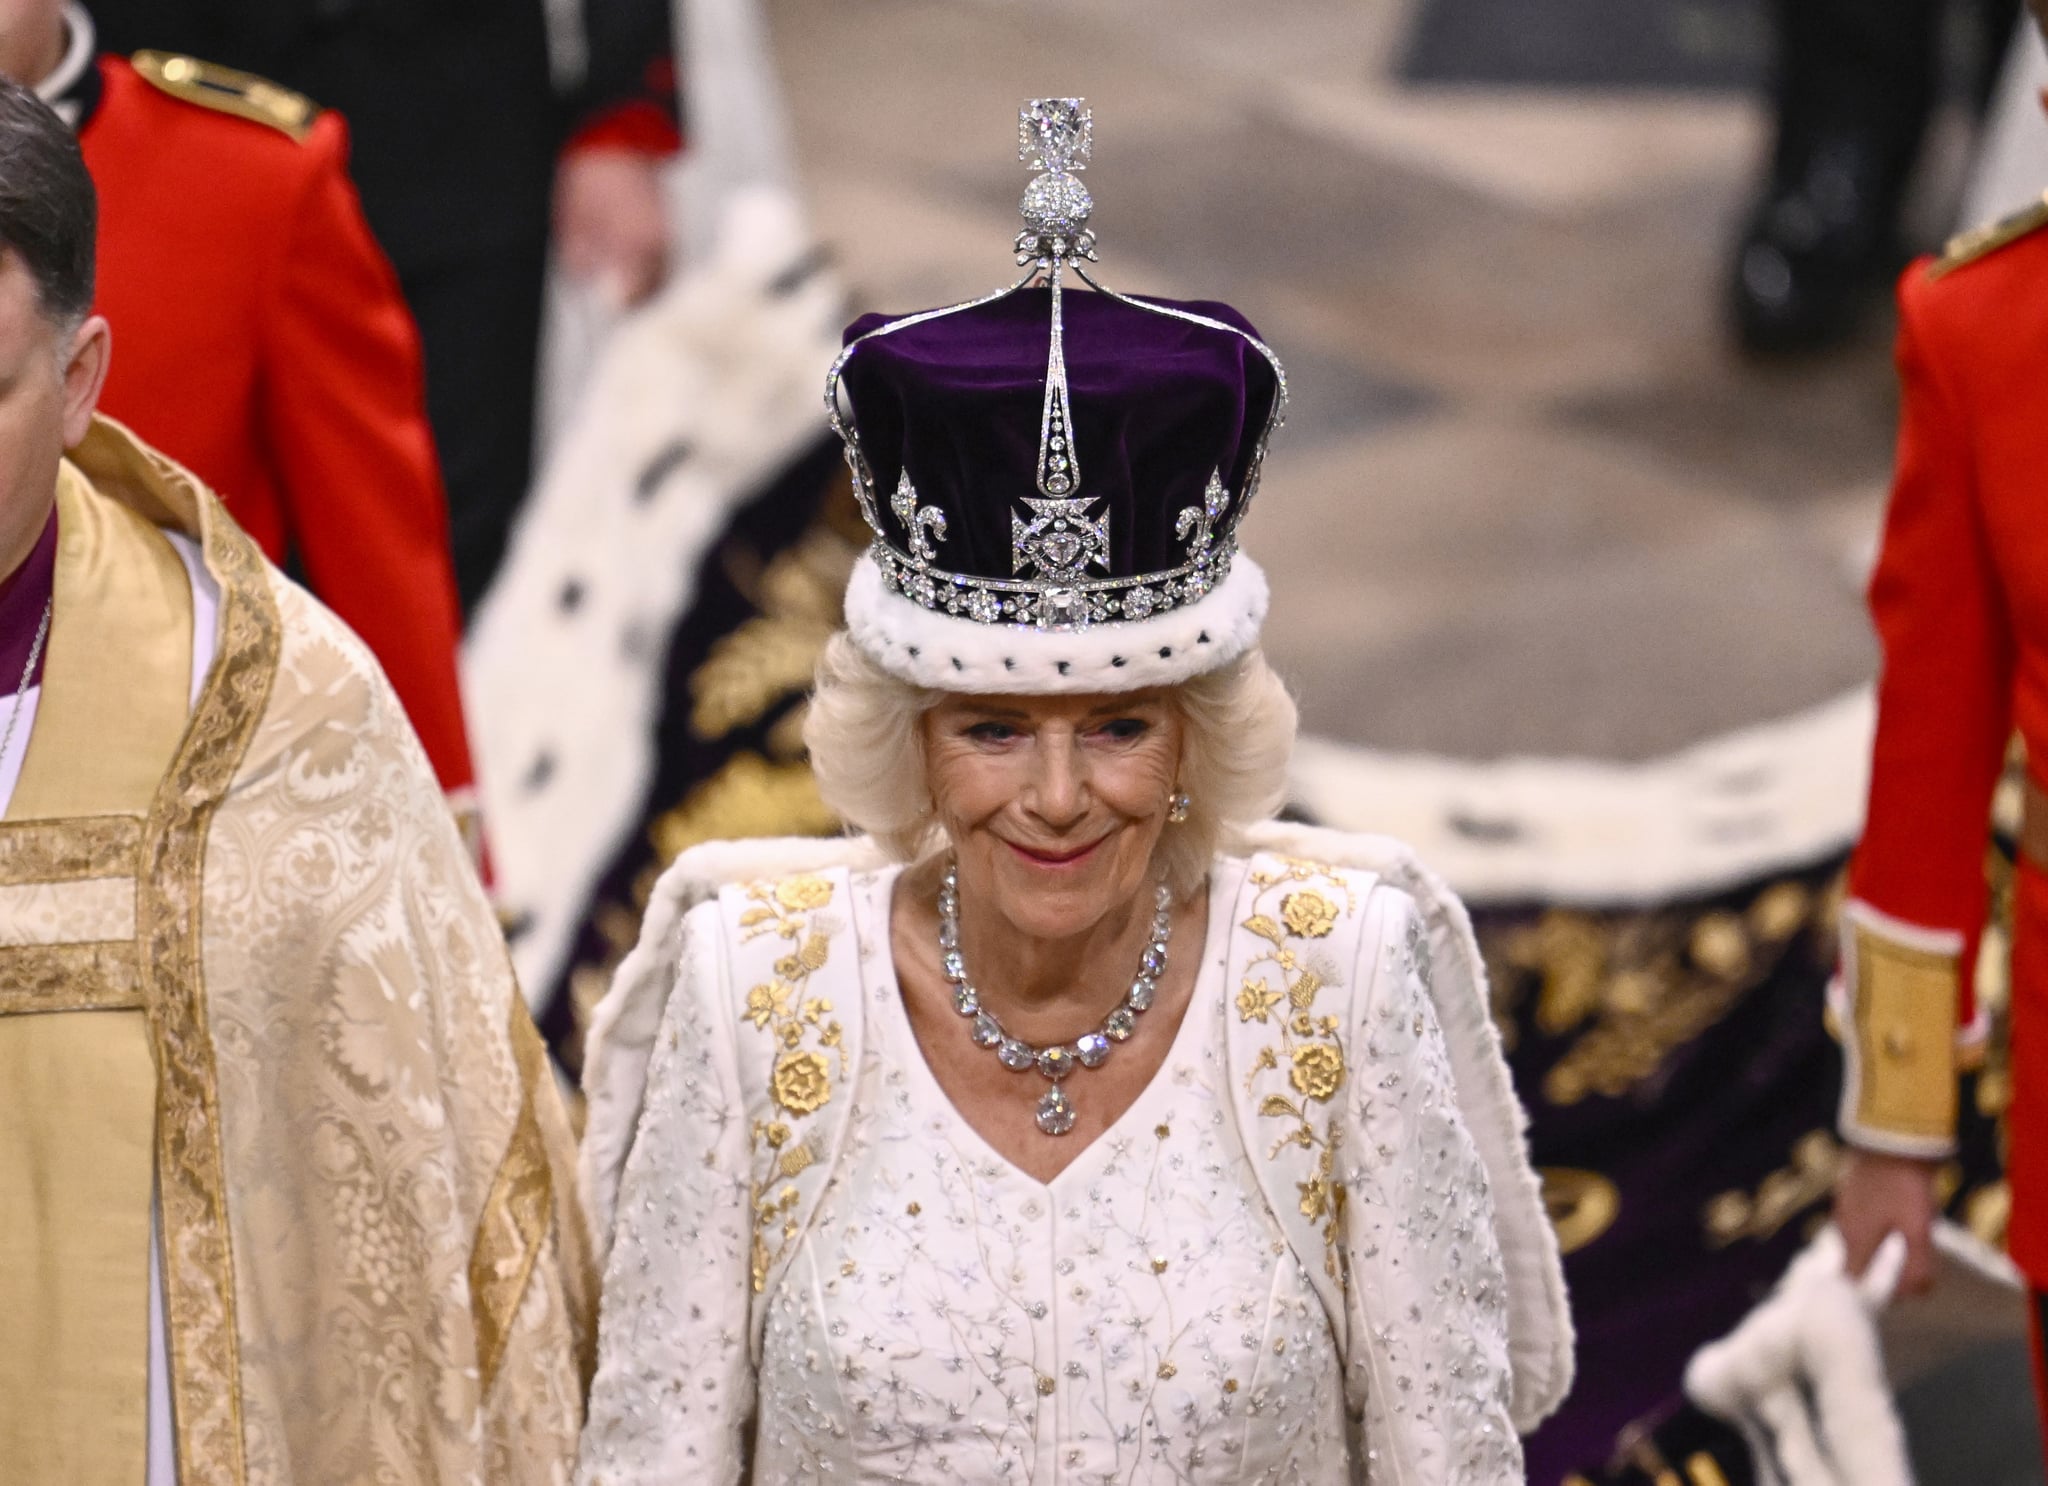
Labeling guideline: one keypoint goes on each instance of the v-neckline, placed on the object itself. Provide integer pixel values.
(962, 1130)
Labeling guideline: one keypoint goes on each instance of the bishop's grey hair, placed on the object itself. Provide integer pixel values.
(867, 751)
(49, 211)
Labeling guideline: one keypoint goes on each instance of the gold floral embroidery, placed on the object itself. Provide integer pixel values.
(800, 893)
(802, 1083)
(1256, 1000)
(1318, 1069)
(1308, 914)
(1308, 1047)
(801, 1079)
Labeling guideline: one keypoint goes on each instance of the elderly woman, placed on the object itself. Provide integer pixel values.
(1074, 1125)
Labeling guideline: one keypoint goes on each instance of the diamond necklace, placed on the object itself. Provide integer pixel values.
(35, 653)
(1056, 1113)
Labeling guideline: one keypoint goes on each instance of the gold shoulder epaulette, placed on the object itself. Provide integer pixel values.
(242, 94)
(1978, 242)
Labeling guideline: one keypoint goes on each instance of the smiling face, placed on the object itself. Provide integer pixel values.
(1053, 804)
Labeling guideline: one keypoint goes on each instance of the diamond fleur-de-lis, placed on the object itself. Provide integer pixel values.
(1200, 521)
(1060, 541)
(916, 521)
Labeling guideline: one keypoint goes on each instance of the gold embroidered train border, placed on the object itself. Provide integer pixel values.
(514, 1223)
(91, 975)
(199, 1281)
(75, 850)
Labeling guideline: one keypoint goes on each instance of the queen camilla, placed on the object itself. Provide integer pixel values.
(1076, 1122)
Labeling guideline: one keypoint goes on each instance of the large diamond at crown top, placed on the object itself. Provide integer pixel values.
(1055, 134)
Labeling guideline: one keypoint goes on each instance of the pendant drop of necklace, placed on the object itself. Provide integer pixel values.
(1056, 1114)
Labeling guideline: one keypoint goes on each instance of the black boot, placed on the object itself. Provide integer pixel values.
(1820, 249)
(1856, 80)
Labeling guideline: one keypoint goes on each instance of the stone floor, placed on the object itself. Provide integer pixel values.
(1529, 500)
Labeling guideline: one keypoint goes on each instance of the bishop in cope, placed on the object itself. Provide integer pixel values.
(283, 1183)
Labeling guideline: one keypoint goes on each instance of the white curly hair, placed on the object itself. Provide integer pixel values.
(867, 751)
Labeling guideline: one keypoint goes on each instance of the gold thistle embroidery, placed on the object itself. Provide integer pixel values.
(1308, 1047)
(800, 1082)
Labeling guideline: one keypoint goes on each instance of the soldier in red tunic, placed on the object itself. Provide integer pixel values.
(263, 341)
(1960, 597)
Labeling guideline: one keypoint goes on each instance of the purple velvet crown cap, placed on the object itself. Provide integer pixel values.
(1159, 406)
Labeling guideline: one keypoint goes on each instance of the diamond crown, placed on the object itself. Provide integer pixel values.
(1050, 583)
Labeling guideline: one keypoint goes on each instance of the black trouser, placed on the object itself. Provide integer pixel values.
(2039, 1316)
(1872, 68)
(479, 320)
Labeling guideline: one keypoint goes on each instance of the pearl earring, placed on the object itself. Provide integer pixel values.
(1177, 806)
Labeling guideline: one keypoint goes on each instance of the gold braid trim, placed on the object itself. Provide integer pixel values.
(1904, 1010)
(95, 975)
(199, 1280)
(75, 850)
(514, 1222)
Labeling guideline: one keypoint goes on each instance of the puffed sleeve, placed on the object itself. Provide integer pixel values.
(1427, 1370)
(344, 408)
(674, 1391)
(1944, 717)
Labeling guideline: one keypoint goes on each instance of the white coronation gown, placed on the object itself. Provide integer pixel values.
(1141, 1318)
(932, 1314)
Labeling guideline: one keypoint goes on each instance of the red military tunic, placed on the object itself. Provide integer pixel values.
(1960, 597)
(259, 338)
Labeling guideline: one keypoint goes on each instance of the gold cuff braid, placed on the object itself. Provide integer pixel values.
(1903, 1038)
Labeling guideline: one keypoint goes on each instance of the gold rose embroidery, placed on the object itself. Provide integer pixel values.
(801, 1079)
(798, 894)
(1308, 1047)
(1308, 914)
(1318, 1069)
(802, 1082)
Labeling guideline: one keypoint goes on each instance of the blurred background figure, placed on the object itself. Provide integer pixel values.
(263, 339)
(458, 112)
(1856, 83)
